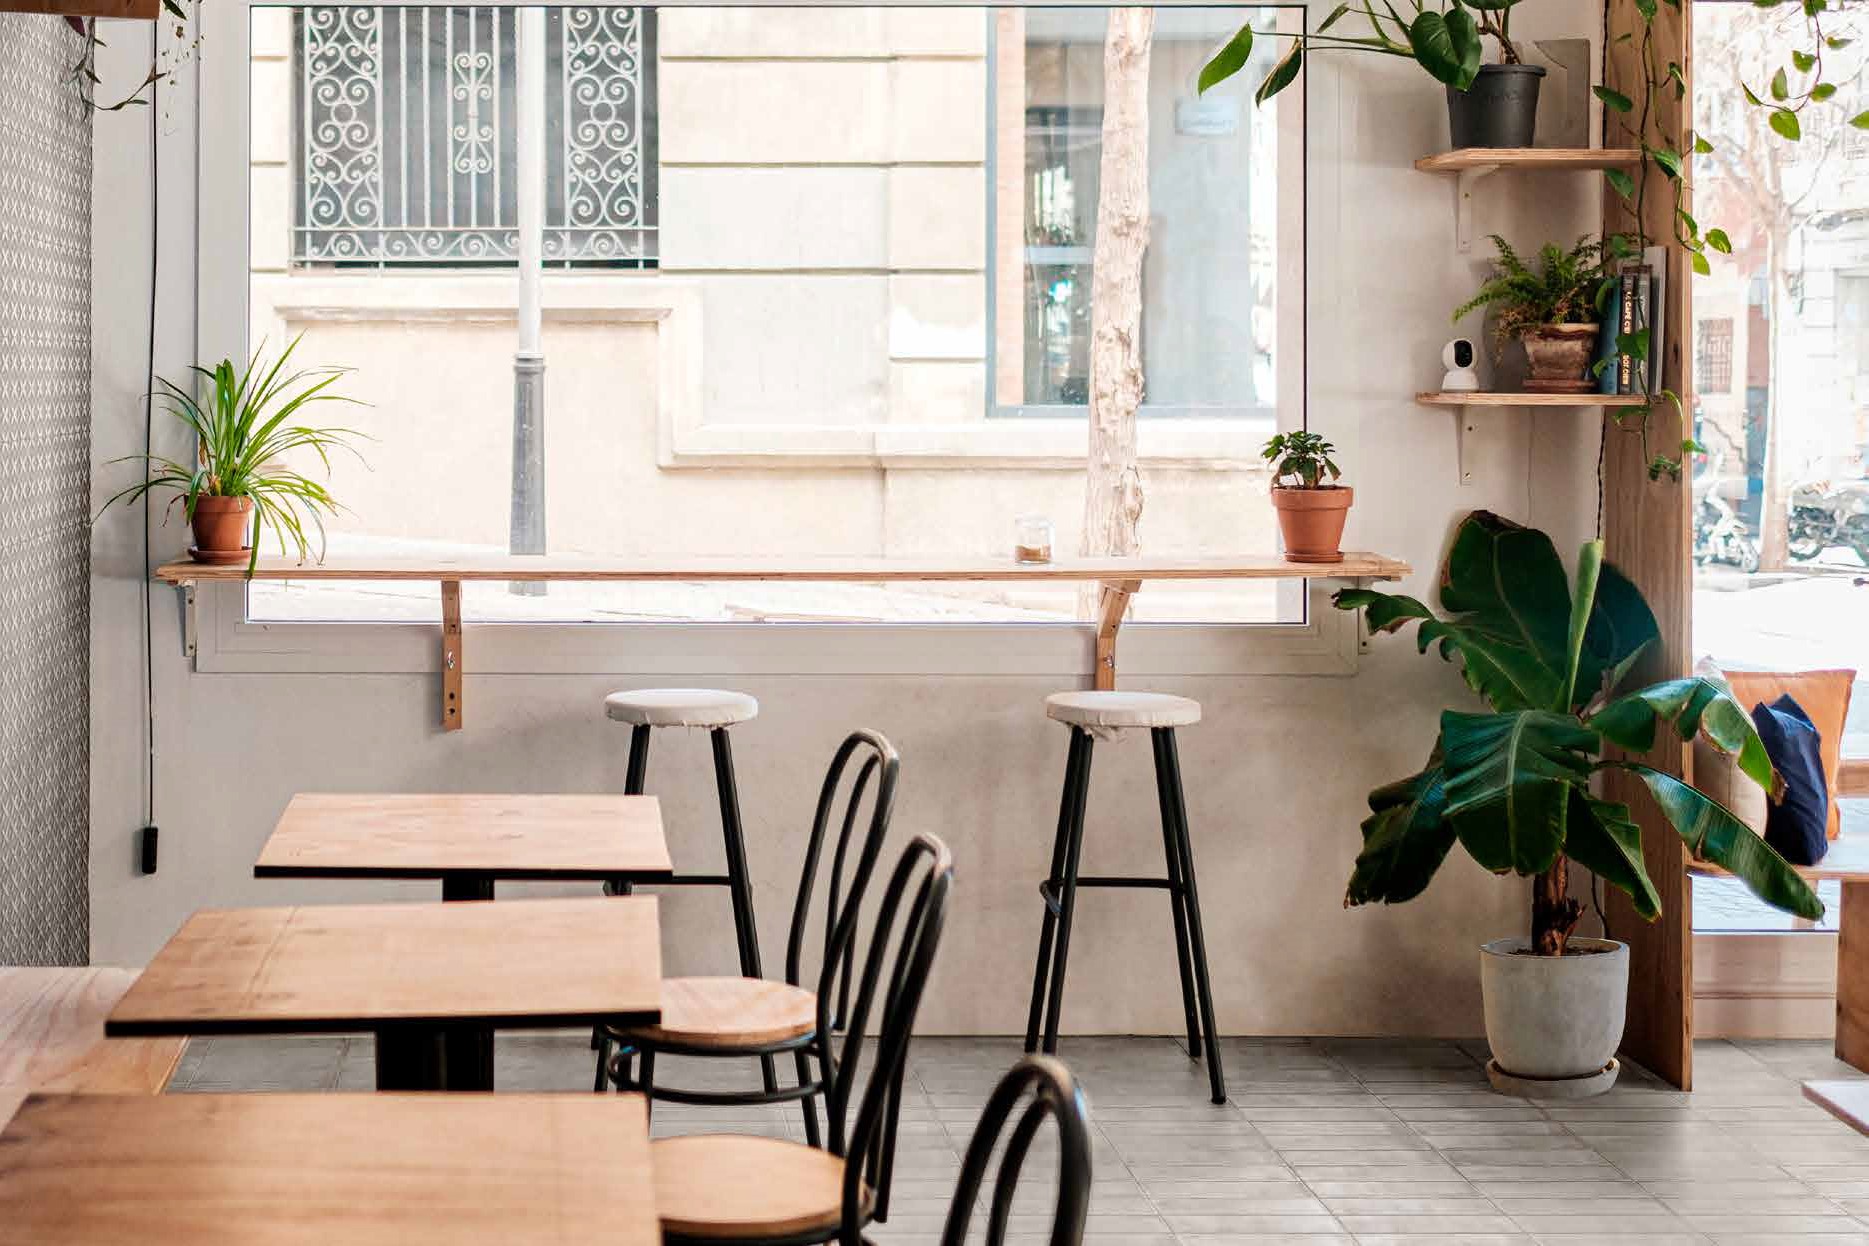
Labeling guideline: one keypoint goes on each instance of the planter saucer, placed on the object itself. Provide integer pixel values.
(1314, 558)
(219, 557)
(1553, 1087)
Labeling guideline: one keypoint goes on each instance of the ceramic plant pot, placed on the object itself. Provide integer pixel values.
(1554, 1022)
(1500, 109)
(1312, 521)
(221, 526)
(1560, 357)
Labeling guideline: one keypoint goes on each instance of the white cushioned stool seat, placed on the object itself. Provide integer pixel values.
(1107, 710)
(680, 707)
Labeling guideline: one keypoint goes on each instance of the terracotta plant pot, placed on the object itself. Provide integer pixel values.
(221, 526)
(1560, 356)
(1312, 521)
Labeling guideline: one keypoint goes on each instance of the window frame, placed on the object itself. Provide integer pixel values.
(1324, 641)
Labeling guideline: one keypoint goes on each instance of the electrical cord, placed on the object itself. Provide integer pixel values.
(149, 399)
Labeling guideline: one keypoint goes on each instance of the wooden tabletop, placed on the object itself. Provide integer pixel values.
(334, 835)
(308, 1169)
(343, 968)
(52, 1037)
(1355, 565)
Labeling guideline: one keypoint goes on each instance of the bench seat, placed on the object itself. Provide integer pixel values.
(52, 1037)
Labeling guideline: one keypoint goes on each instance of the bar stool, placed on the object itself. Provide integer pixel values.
(712, 710)
(1090, 715)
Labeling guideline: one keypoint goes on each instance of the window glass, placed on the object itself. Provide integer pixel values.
(816, 285)
(1780, 372)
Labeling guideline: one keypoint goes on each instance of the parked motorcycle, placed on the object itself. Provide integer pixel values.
(1826, 514)
(1720, 535)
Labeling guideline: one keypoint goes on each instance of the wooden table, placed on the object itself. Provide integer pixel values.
(299, 1170)
(412, 973)
(468, 841)
(1118, 578)
(52, 1037)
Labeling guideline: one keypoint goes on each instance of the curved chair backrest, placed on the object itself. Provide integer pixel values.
(1054, 1094)
(880, 763)
(927, 870)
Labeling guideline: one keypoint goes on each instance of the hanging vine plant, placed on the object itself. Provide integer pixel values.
(84, 72)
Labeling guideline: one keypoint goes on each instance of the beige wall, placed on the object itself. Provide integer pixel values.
(1277, 772)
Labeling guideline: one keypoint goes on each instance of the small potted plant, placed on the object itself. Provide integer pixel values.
(1311, 505)
(1488, 105)
(1553, 311)
(245, 424)
(1513, 784)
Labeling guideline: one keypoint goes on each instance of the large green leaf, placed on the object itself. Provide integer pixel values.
(1694, 706)
(1444, 45)
(1714, 834)
(1509, 782)
(1603, 838)
(1405, 838)
(1621, 628)
(1582, 606)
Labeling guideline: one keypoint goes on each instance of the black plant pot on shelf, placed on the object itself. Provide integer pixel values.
(1500, 109)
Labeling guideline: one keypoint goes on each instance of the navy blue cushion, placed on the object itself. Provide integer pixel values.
(1796, 825)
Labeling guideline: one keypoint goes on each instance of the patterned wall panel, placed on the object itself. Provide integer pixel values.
(45, 456)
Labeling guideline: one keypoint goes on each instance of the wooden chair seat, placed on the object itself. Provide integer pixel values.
(726, 1014)
(740, 1187)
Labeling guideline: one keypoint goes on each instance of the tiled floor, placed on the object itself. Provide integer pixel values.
(1345, 1141)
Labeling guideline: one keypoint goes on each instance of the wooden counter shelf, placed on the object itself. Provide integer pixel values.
(1514, 398)
(1119, 579)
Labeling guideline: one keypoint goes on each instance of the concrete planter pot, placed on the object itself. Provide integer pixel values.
(1500, 109)
(1554, 1022)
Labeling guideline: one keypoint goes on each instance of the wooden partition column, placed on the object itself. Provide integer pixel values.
(1648, 532)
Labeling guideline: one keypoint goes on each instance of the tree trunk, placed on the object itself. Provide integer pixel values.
(1774, 499)
(1554, 912)
(1112, 484)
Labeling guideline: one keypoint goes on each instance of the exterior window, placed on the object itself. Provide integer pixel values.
(1713, 356)
(406, 137)
(1209, 281)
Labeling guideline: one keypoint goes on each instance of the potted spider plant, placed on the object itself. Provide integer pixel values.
(1311, 505)
(245, 425)
(1512, 783)
(1553, 311)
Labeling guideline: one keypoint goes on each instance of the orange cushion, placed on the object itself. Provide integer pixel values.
(1825, 696)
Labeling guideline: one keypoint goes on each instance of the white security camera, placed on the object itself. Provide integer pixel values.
(1458, 357)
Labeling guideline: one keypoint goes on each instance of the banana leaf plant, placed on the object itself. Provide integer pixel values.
(1513, 784)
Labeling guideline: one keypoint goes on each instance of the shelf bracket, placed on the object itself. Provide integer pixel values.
(1112, 603)
(185, 598)
(1463, 206)
(1463, 424)
(450, 655)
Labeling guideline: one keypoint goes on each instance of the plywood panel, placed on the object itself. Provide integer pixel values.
(1648, 532)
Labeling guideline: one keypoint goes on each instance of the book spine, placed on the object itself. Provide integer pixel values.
(1625, 323)
(1606, 340)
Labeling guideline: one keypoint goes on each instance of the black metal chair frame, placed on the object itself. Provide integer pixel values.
(1059, 891)
(881, 762)
(868, 1146)
(1054, 1095)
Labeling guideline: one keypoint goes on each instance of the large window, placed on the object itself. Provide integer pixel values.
(816, 284)
(1781, 378)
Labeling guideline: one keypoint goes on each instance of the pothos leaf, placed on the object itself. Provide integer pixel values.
(1805, 61)
(1860, 121)
(1624, 184)
(1785, 123)
(1823, 91)
(1701, 146)
(1781, 86)
(1699, 264)
(1717, 239)
(1615, 99)
(1670, 161)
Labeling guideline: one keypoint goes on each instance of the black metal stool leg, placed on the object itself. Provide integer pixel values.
(1036, 1018)
(738, 880)
(1067, 897)
(1197, 941)
(1177, 896)
(601, 1082)
(808, 1103)
(645, 1083)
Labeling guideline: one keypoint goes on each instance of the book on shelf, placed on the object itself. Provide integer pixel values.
(1639, 305)
(1607, 362)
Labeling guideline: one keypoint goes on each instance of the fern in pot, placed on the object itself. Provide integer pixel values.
(1553, 310)
(1513, 785)
(245, 424)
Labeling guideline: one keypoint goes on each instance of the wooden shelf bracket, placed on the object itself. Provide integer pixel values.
(451, 662)
(1463, 207)
(1112, 604)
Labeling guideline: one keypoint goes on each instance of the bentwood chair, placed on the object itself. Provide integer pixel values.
(750, 1017)
(743, 1189)
(1053, 1094)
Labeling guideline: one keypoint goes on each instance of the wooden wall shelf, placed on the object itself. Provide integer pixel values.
(1484, 398)
(1470, 164)
(138, 10)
